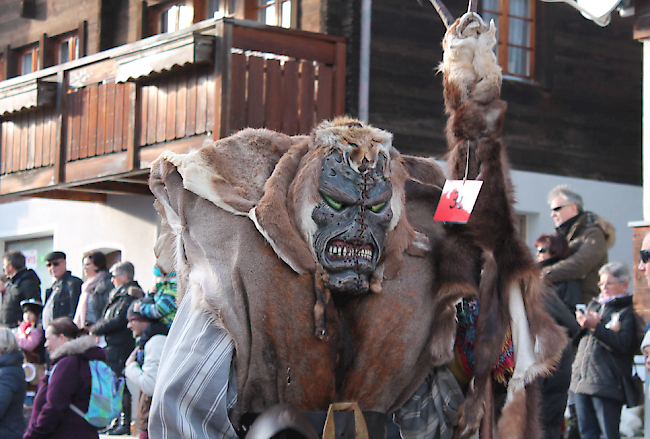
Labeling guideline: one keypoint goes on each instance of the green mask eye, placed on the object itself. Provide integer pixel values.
(377, 207)
(333, 204)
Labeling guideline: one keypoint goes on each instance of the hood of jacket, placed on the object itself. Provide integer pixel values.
(129, 289)
(85, 347)
(590, 219)
(12, 358)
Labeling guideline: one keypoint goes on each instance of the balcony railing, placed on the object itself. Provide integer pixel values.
(93, 126)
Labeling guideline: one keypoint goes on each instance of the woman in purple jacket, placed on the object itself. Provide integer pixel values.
(68, 382)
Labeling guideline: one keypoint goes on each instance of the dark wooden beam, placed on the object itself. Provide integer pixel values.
(132, 145)
(68, 195)
(113, 187)
(45, 57)
(10, 198)
(222, 72)
(61, 121)
(6, 68)
(142, 180)
(83, 38)
(641, 19)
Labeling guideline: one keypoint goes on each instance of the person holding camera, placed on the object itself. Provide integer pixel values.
(605, 354)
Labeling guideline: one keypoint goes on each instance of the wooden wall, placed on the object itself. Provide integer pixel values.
(53, 17)
(581, 117)
(27, 140)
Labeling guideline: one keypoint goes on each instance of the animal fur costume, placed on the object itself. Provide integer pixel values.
(320, 257)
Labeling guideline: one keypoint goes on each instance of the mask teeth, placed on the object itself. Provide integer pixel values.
(349, 252)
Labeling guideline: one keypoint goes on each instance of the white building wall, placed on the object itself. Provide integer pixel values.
(618, 203)
(125, 223)
(130, 223)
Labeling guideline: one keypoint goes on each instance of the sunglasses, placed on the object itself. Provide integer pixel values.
(541, 250)
(49, 264)
(645, 256)
(558, 208)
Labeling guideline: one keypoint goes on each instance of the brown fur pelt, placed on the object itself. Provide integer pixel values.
(472, 82)
(240, 228)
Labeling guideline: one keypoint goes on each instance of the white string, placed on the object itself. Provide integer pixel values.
(467, 163)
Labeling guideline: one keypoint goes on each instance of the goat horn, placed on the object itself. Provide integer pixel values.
(472, 7)
(447, 18)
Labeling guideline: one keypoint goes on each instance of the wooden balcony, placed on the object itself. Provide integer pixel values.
(93, 126)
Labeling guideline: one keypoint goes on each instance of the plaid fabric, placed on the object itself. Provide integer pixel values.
(432, 409)
(195, 387)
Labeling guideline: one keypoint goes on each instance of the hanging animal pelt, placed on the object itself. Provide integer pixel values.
(319, 256)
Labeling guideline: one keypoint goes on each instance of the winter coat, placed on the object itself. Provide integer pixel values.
(12, 395)
(101, 295)
(144, 376)
(589, 238)
(68, 382)
(31, 340)
(112, 325)
(555, 387)
(65, 295)
(569, 292)
(604, 356)
(23, 285)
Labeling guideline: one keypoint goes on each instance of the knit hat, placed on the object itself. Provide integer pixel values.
(646, 340)
(132, 314)
(157, 271)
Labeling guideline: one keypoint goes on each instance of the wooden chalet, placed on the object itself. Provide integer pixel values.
(89, 99)
(91, 91)
(92, 125)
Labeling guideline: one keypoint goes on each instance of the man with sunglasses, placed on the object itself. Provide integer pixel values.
(589, 237)
(644, 263)
(62, 297)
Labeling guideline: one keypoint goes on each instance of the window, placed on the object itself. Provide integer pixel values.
(515, 21)
(173, 17)
(28, 60)
(220, 8)
(274, 12)
(66, 48)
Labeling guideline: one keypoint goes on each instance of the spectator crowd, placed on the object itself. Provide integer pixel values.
(48, 340)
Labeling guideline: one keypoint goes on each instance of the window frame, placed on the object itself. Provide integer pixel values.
(227, 8)
(34, 51)
(503, 32)
(253, 8)
(74, 48)
(155, 13)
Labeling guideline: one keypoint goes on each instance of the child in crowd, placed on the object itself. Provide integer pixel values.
(160, 304)
(31, 339)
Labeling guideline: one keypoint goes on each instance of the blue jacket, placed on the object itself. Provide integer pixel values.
(12, 395)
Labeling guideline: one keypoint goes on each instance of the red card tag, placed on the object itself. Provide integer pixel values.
(457, 201)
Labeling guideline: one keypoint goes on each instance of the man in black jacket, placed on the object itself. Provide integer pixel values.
(24, 284)
(62, 297)
(119, 339)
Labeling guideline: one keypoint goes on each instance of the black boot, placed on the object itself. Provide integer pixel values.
(112, 426)
(122, 428)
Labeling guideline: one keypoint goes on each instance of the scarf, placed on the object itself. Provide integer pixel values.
(87, 290)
